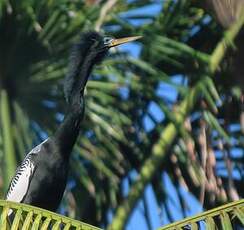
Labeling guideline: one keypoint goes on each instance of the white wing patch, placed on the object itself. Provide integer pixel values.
(20, 182)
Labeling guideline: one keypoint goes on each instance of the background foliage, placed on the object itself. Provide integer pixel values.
(170, 109)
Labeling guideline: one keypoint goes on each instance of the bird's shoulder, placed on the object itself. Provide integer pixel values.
(37, 149)
(42, 149)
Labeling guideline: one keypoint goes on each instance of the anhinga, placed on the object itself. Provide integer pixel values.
(41, 178)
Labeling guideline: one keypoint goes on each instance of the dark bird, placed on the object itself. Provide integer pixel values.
(41, 178)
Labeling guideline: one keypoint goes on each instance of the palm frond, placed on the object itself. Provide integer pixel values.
(25, 216)
(227, 215)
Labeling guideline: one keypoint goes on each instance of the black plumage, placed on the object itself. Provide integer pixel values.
(41, 178)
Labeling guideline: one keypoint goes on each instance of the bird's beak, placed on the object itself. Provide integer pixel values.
(119, 41)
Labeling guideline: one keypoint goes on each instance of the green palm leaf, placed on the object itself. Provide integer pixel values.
(25, 216)
(227, 214)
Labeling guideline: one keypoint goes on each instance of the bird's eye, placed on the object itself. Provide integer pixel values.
(107, 40)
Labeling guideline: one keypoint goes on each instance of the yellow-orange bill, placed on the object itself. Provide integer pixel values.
(119, 41)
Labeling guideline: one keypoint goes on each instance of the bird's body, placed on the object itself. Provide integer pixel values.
(30, 179)
(41, 178)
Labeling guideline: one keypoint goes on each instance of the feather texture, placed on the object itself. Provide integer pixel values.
(19, 184)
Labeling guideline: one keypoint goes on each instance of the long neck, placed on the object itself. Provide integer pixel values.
(79, 83)
(80, 67)
(67, 133)
(79, 71)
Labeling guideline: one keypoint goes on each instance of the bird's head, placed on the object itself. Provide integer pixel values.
(90, 50)
(97, 46)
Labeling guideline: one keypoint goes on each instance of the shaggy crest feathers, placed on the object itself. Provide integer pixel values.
(77, 57)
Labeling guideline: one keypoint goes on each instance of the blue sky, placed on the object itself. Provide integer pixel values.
(157, 214)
